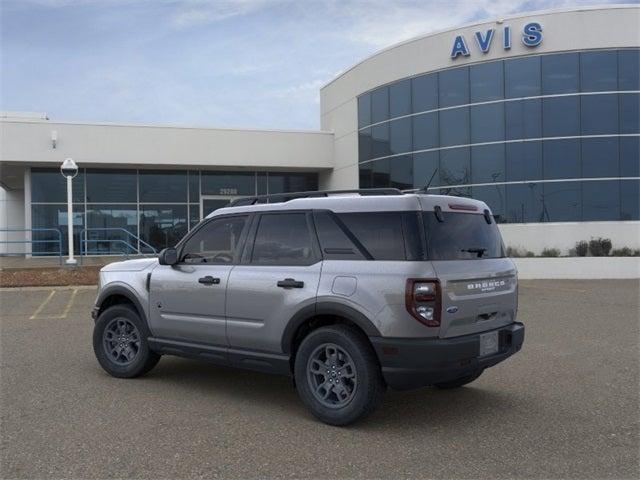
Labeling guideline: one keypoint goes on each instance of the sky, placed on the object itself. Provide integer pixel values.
(219, 63)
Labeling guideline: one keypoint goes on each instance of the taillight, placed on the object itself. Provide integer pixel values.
(422, 298)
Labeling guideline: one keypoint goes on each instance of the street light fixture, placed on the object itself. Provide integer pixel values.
(69, 169)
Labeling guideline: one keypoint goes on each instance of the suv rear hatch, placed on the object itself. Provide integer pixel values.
(478, 282)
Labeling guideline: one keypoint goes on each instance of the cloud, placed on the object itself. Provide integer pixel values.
(191, 13)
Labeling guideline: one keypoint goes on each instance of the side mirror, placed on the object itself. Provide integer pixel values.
(168, 256)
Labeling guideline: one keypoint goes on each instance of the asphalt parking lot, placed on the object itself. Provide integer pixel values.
(565, 407)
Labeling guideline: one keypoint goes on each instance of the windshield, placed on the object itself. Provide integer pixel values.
(462, 236)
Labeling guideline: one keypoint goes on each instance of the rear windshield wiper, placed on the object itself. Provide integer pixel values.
(478, 251)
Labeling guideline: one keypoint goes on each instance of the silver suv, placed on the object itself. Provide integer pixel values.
(347, 292)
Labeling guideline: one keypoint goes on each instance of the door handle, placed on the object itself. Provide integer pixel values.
(209, 280)
(290, 283)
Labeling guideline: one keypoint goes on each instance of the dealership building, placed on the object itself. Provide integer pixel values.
(536, 114)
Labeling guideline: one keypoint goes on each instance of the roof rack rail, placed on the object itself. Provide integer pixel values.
(285, 197)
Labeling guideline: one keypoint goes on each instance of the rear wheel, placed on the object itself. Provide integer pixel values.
(459, 382)
(337, 375)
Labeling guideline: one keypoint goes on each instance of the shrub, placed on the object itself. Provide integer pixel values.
(582, 248)
(600, 247)
(550, 252)
(518, 252)
(622, 252)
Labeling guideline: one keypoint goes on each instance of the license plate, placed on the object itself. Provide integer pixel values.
(488, 343)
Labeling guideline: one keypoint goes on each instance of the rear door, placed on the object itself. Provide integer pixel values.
(279, 275)
(478, 283)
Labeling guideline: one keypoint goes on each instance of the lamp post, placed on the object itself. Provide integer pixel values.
(69, 169)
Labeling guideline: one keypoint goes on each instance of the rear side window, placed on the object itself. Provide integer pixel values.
(336, 241)
(283, 239)
(379, 232)
(461, 236)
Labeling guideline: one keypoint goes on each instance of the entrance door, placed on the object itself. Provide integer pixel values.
(209, 203)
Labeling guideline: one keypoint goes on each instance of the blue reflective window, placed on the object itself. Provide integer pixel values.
(562, 202)
(194, 186)
(524, 203)
(561, 116)
(630, 156)
(112, 186)
(424, 166)
(523, 119)
(400, 135)
(364, 110)
(228, 183)
(424, 92)
(116, 218)
(163, 186)
(400, 98)
(494, 197)
(629, 69)
(523, 161)
(365, 176)
(561, 159)
(454, 87)
(630, 199)
(487, 164)
(487, 123)
(455, 166)
(599, 71)
(364, 145)
(53, 216)
(487, 81)
(522, 77)
(380, 141)
(600, 157)
(292, 182)
(454, 127)
(629, 113)
(163, 226)
(401, 172)
(599, 114)
(380, 105)
(262, 183)
(560, 73)
(601, 200)
(49, 186)
(425, 131)
(380, 171)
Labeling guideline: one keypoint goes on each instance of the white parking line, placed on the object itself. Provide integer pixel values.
(42, 305)
(64, 313)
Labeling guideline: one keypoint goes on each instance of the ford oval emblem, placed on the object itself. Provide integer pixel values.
(453, 309)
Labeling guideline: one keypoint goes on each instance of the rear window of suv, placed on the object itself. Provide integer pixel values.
(461, 236)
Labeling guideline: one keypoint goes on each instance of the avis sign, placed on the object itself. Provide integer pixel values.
(531, 37)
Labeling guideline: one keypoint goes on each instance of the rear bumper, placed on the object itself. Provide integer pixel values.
(413, 363)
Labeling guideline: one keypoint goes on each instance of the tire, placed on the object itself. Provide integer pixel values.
(458, 382)
(132, 356)
(358, 389)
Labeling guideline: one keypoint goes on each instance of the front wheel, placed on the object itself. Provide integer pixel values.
(338, 376)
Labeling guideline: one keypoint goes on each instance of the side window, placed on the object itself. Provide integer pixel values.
(283, 239)
(214, 243)
(379, 232)
(335, 243)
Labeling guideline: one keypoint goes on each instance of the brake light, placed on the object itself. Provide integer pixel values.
(422, 299)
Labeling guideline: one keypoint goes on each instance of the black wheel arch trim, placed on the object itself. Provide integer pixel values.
(326, 308)
(125, 292)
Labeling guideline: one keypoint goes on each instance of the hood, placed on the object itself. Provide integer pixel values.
(136, 265)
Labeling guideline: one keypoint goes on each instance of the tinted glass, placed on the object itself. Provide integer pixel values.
(380, 141)
(194, 215)
(261, 183)
(561, 159)
(365, 145)
(522, 77)
(292, 182)
(487, 123)
(283, 239)
(454, 127)
(223, 183)
(487, 81)
(494, 197)
(53, 217)
(400, 135)
(424, 92)
(400, 98)
(524, 203)
(424, 166)
(49, 186)
(599, 71)
(364, 110)
(630, 156)
(380, 233)
(364, 176)
(116, 220)
(380, 170)
(601, 200)
(600, 157)
(194, 186)
(163, 186)
(425, 131)
(454, 87)
(629, 113)
(487, 164)
(523, 161)
(455, 167)
(460, 232)
(630, 199)
(334, 242)
(523, 119)
(629, 70)
(163, 226)
(560, 73)
(562, 202)
(214, 243)
(599, 114)
(111, 186)
(380, 105)
(401, 172)
(561, 116)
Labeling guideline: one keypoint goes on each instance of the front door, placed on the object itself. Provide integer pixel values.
(209, 203)
(187, 300)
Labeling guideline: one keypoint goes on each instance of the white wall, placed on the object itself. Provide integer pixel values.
(583, 268)
(11, 216)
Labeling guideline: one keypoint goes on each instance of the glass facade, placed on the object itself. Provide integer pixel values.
(544, 138)
(112, 208)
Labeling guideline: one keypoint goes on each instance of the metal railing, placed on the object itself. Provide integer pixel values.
(31, 241)
(131, 244)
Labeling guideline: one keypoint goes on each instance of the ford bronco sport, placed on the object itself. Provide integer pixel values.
(348, 292)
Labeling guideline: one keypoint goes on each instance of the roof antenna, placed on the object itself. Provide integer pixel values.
(426, 187)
